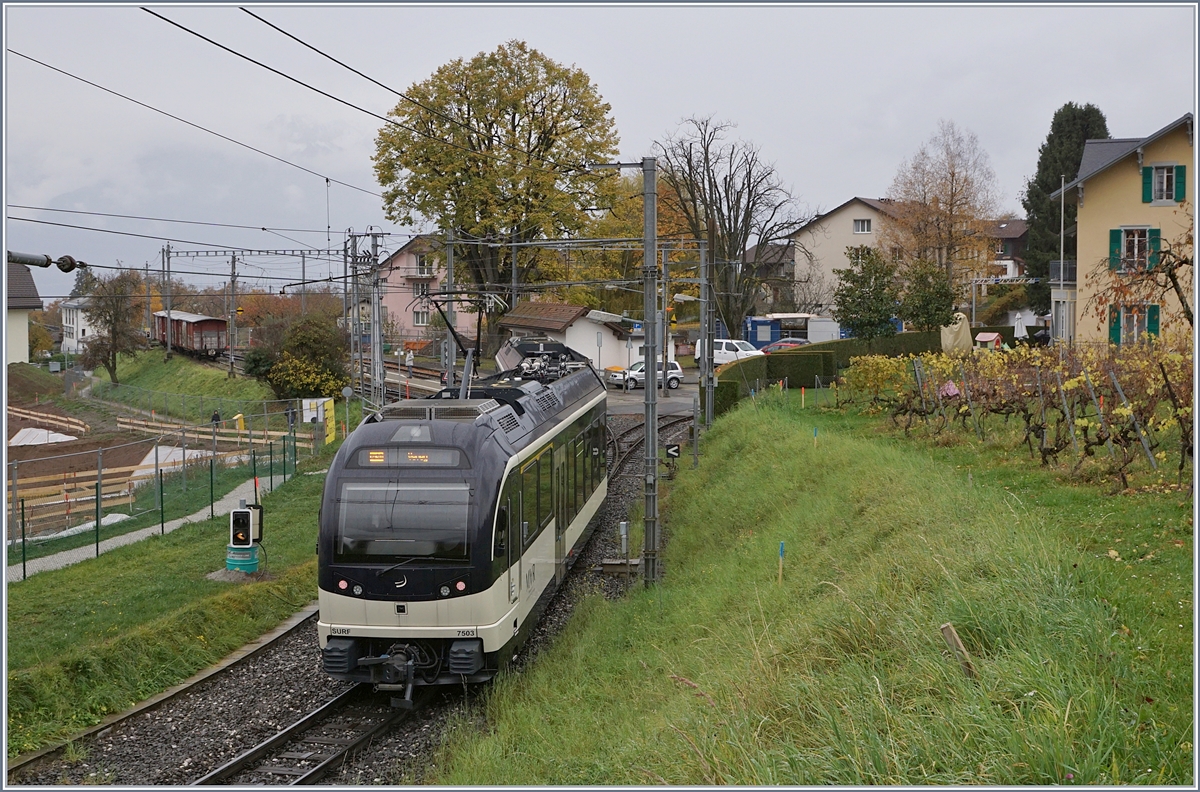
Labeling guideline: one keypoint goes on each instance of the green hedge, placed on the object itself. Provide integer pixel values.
(725, 396)
(800, 369)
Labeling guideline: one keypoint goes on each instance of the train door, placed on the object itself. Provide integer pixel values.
(561, 521)
(516, 544)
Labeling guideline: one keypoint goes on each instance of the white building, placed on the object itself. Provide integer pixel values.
(598, 334)
(75, 326)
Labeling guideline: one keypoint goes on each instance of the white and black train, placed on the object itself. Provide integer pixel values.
(447, 523)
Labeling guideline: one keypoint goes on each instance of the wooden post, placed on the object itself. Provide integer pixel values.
(956, 646)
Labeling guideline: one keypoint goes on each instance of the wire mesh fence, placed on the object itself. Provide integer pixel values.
(65, 501)
(259, 415)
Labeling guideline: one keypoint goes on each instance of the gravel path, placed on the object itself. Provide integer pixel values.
(222, 717)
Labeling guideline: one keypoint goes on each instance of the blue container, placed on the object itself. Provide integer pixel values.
(241, 559)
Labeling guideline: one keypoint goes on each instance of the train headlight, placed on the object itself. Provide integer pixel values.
(357, 590)
(445, 591)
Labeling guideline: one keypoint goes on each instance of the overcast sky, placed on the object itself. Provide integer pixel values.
(836, 96)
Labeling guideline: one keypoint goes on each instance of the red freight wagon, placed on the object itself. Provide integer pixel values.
(194, 333)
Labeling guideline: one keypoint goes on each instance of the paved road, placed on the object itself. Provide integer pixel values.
(244, 491)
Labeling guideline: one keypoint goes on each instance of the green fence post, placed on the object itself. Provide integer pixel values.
(212, 489)
(271, 463)
(24, 574)
(254, 471)
(97, 519)
(162, 506)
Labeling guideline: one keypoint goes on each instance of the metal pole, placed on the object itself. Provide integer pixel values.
(97, 518)
(254, 471)
(14, 499)
(303, 284)
(162, 507)
(649, 304)
(157, 473)
(378, 384)
(271, 463)
(183, 463)
(1137, 427)
(232, 310)
(167, 288)
(710, 329)
(1067, 411)
(666, 329)
(212, 488)
(452, 350)
(696, 431)
(1062, 213)
(99, 494)
(24, 574)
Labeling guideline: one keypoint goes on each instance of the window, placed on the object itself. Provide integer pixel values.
(420, 289)
(1133, 248)
(424, 268)
(1163, 184)
(420, 318)
(1131, 323)
(862, 226)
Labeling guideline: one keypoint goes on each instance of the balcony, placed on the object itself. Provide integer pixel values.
(1062, 272)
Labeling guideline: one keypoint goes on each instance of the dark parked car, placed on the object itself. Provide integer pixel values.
(782, 344)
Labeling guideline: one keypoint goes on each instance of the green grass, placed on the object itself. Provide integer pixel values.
(841, 675)
(95, 638)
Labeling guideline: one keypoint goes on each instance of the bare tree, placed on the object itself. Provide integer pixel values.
(813, 291)
(728, 183)
(943, 202)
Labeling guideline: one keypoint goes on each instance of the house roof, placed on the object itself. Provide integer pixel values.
(881, 205)
(555, 317)
(1099, 155)
(421, 243)
(1008, 229)
(22, 291)
(773, 254)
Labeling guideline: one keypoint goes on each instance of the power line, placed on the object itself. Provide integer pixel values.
(191, 124)
(339, 100)
(405, 97)
(142, 236)
(166, 220)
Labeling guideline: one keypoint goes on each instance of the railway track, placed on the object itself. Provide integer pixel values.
(623, 445)
(320, 742)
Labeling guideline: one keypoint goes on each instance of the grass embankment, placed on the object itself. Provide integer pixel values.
(27, 382)
(97, 637)
(840, 675)
(183, 388)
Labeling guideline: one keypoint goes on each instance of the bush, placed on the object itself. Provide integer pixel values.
(725, 398)
(294, 378)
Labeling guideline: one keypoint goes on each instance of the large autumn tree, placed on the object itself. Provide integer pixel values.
(495, 149)
(711, 179)
(1058, 160)
(943, 201)
(115, 311)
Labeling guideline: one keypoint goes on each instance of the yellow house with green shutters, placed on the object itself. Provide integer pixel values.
(1134, 195)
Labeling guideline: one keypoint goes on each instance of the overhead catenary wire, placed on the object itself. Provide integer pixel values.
(168, 220)
(194, 125)
(405, 97)
(337, 99)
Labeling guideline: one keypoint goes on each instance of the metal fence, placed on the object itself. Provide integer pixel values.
(175, 474)
(257, 415)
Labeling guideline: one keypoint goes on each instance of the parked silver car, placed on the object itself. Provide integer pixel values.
(635, 376)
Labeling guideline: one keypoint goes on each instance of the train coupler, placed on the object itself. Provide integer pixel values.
(407, 701)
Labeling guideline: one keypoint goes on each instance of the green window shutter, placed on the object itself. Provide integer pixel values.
(1114, 249)
(1155, 240)
(1147, 184)
(1180, 182)
(1114, 325)
(1152, 319)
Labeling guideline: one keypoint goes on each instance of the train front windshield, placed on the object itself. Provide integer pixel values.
(381, 520)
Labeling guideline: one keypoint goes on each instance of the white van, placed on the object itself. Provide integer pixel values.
(727, 350)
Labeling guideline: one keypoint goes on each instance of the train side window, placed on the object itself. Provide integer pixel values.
(580, 469)
(529, 480)
(545, 488)
(500, 540)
